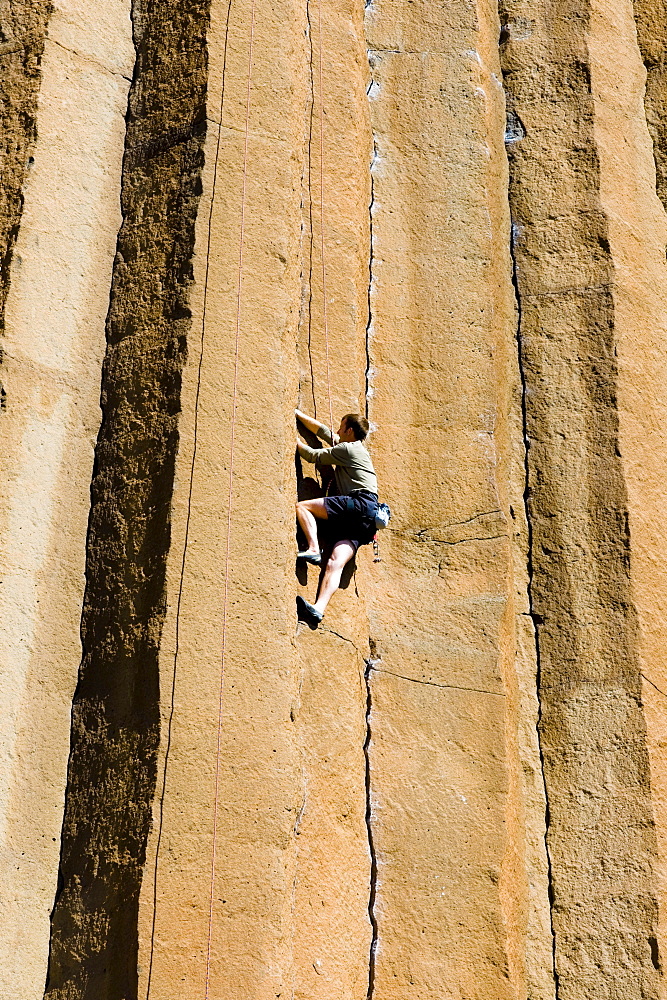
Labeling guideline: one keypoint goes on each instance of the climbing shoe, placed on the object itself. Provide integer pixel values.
(310, 557)
(305, 612)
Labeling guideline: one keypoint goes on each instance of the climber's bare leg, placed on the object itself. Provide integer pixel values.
(342, 552)
(307, 512)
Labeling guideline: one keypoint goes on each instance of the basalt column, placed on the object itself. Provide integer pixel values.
(630, 102)
(461, 900)
(333, 852)
(116, 711)
(59, 217)
(449, 217)
(651, 24)
(218, 889)
(587, 229)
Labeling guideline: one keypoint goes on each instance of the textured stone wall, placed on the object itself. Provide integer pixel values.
(62, 149)
(115, 718)
(448, 599)
(449, 217)
(582, 196)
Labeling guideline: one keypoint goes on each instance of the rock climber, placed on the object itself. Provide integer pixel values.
(349, 516)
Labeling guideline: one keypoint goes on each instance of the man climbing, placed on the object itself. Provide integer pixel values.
(349, 516)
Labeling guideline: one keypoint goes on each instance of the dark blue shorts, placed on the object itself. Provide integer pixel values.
(351, 517)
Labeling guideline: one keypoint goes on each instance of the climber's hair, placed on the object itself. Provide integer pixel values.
(357, 424)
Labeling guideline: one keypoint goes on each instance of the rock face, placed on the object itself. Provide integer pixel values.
(64, 95)
(450, 217)
(584, 326)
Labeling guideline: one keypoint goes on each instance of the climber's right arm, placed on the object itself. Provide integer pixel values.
(315, 426)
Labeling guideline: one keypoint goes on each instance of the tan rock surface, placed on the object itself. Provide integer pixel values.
(291, 868)
(357, 813)
(52, 353)
(116, 713)
(637, 237)
(454, 908)
(587, 228)
(245, 888)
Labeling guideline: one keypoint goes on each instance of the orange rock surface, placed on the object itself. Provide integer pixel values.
(450, 218)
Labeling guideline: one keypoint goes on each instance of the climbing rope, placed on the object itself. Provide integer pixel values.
(239, 287)
(322, 255)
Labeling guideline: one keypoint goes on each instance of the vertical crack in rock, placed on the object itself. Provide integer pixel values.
(370, 664)
(600, 835)
(369, 324)
(116, 712)
(534, 617)
(651, 21)
(374, 658)
(22, 36)
(309, 169)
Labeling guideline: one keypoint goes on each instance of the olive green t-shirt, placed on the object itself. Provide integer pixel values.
(353, 467)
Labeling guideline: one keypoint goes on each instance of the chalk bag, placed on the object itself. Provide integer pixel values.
(382, 515)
